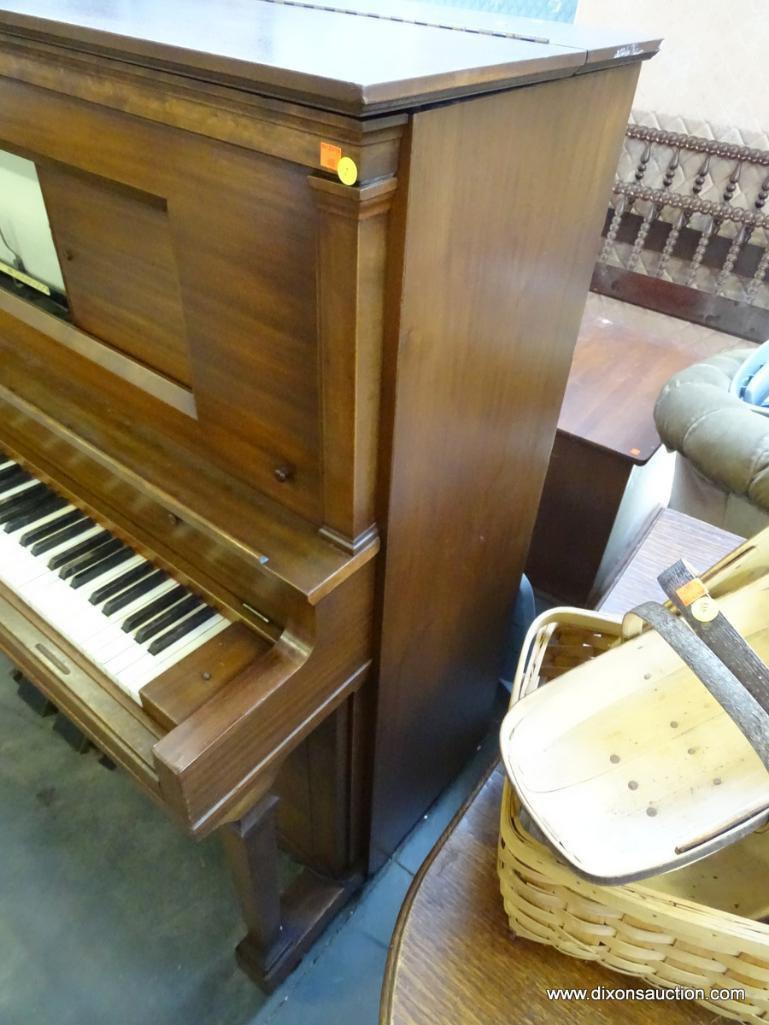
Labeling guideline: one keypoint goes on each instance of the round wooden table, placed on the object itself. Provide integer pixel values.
(453, 960)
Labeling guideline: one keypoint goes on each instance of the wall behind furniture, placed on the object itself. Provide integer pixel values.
(24, 228)
(550, 10)
(713, 64)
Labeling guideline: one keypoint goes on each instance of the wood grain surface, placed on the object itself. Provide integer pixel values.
(584, 487)
(115, 251)
(482, 360)
(356, 63)
(623, 357)
(238, 439)
(673, 535)
(453, 958)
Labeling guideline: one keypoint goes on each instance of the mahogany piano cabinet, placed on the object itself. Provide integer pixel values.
(272, 454)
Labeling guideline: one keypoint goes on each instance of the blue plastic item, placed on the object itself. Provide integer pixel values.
(521, 618)
(751, 382)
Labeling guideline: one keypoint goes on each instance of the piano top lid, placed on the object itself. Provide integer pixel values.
(352, 56)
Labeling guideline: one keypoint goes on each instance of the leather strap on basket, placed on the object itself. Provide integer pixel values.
(738, 703)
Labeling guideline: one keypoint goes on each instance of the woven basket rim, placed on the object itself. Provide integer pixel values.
(642, 901)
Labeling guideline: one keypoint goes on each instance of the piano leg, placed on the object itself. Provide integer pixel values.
(281, 926)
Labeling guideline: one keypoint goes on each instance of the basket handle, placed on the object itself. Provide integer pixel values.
(690, 595)
(738, 703)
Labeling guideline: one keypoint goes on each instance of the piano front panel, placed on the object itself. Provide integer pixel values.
(237, 230)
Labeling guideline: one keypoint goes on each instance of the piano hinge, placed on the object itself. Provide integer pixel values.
(341, 9)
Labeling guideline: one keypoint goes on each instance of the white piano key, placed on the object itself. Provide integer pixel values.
(103, 642)
(149, 667)
(115, 573)
(139, 603)
(68, 610)
(38, 566)
(64, 546)
(120, 663)
(18, 489)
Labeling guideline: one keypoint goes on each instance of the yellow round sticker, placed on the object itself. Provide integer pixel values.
(347, 170)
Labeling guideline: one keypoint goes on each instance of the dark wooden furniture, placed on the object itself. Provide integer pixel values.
(322, 303)
(601, 480)
(452, 957)
(686, 236)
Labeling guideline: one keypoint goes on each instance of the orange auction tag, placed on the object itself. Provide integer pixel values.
(691, 591)
(330, 155)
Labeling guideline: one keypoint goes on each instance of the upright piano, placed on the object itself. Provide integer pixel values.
(288, 296)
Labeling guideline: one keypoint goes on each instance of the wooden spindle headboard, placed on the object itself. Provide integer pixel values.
(687, 232)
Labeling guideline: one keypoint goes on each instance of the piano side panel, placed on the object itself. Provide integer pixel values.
(506, 198)
(241, 227)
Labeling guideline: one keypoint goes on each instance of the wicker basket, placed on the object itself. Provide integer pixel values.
(694, 929)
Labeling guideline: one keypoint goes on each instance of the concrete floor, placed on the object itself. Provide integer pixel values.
(109, 914)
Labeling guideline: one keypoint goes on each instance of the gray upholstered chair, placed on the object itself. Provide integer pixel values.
(722, 446)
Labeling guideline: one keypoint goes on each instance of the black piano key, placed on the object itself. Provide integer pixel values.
(36, 497)
(12, 476)
(28, 497)
(12, 471)
(125, 598)
(65, 520)
(122, 583)
(178, 632)
(85, 576)
(154, 607)
(60, 536)
(75, 551)
(90, 558)
(15, 482)
(24, 518)
(174, 614)
(151, 613)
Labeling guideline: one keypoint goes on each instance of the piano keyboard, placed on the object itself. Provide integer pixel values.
(128, 617)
